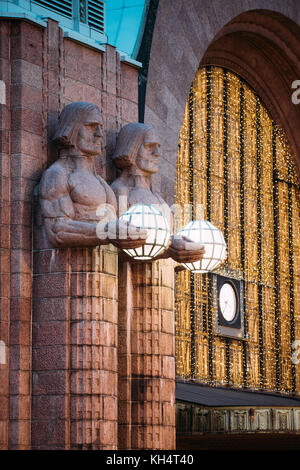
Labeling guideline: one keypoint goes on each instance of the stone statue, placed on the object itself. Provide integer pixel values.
(71, 192)
(136, 154)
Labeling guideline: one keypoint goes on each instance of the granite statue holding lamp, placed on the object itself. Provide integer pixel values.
(77, 204)
(136, 154)
(71, 192)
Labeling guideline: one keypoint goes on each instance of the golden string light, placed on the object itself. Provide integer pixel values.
(236, 145)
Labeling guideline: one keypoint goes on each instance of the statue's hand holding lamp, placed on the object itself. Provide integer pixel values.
(206, 234)
(146, 217)
(159, 243)
(199, 246)
(136, 154)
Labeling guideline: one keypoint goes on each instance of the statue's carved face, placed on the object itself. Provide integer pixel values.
(149, 152)
(90, 134)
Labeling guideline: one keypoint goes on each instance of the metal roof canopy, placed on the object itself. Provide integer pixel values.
(220, 397)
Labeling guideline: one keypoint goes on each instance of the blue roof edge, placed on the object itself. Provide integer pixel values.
(73, 35)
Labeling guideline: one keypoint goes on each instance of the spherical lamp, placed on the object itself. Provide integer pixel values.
(202, 231)
(148, 217)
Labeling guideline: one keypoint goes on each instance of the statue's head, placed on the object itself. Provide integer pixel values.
(137, 146)
(80, 127)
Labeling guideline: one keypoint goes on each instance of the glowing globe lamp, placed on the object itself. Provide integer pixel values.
(202, 231)
(148, 217)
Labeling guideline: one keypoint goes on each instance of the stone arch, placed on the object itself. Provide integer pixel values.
(260, 45)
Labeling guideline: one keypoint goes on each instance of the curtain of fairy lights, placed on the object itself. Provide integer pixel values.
(235, 161)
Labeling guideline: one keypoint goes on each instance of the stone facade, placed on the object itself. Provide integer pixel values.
(62, 377)
(87, 340)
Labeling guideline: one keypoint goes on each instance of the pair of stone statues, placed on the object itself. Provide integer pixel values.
(77, 204)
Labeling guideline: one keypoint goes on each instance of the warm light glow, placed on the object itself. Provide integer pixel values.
(235, 161)
(148, 217)
(202, 231)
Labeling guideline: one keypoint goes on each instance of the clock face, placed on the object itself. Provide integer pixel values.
(228, 301)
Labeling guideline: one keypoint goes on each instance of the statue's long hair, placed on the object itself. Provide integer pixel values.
(129, 140)
(71, 118)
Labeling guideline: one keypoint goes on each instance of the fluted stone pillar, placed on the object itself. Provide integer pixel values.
(74, 389)
(146, 355)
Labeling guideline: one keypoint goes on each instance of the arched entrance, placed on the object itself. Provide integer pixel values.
(213, 145)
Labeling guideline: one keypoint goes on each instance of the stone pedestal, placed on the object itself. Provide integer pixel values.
(74, 347)
(146, 355)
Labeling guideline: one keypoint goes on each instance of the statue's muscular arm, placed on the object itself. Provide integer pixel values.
(59, 216)
(58, 212)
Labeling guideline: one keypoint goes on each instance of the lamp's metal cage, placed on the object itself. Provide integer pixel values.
(204, 232)
(148, 217)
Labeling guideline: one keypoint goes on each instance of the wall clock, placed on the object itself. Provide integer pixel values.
(228, 306)
(228, 302)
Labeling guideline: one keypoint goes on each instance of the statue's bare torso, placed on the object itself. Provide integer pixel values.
(74, 193)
